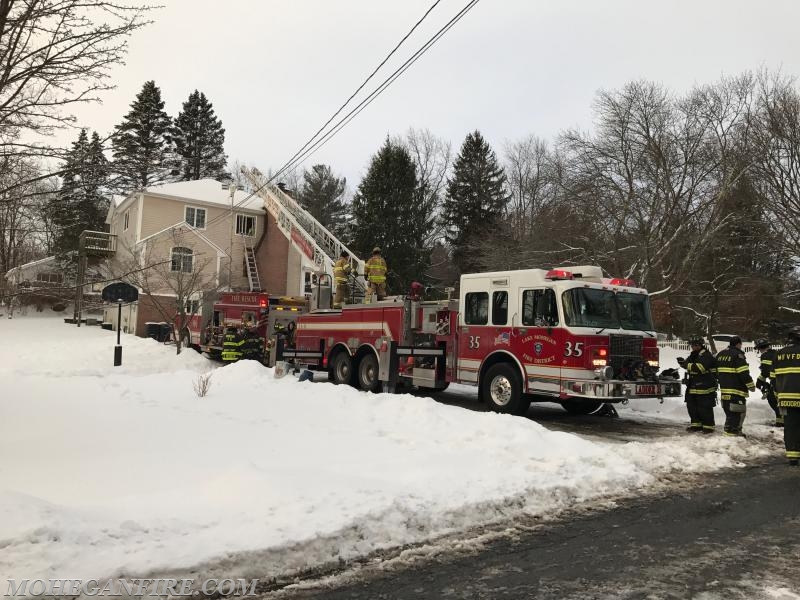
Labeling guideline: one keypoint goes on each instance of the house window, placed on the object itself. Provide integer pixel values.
(126, 219)
(49, 277)
(196, 217)
(182, 260)
(245, 225)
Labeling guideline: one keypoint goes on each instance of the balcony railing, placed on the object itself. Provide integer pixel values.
(98, 242)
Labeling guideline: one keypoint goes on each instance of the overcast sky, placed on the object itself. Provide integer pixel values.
(276, 70)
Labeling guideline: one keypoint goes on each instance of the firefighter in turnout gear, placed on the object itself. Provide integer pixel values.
(232, 345)
(375, 273)
(765, 383)
(341, 276)
(701, 386)
(735, 383)
(786, 375)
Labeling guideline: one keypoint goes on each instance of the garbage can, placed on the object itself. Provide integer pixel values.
(152, 330)
(165, 332)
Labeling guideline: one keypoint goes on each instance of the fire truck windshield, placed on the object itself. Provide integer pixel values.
(591, 307)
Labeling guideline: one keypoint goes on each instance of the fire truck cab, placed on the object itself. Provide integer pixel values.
(564, 335)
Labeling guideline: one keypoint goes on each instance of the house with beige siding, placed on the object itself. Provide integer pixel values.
(222, 239)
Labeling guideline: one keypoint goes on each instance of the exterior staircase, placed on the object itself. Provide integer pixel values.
(303, 231)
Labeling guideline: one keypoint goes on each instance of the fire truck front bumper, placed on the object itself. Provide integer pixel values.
(617, 390)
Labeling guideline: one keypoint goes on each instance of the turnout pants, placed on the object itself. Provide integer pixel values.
(773, 404)
(735, 411)
(791, 433)
(701, 410)
(379, 289)
(342, 293)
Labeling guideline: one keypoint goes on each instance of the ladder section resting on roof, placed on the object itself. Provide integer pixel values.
(307, 234)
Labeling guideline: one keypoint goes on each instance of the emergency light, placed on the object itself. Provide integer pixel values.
(623, 282)
(559, 274)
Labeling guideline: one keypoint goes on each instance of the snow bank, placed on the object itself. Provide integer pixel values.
(122, 471)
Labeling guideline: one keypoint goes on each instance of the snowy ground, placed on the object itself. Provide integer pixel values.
(111, 472)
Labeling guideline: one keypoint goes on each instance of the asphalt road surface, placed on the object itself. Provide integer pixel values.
(734, 534)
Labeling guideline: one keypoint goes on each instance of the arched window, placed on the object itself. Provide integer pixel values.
(182, 260)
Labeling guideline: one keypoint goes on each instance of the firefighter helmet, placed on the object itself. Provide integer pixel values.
(762, 343)
(376, 250)
(696, 340)
(794, 334)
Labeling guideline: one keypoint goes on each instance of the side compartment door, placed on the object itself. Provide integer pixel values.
(538, 341)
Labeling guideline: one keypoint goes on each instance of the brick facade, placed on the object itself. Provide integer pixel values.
(272, 258)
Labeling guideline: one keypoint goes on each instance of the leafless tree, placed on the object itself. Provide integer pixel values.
(529, 168)
(173, 282)
(776, 128)
(55, 54)
(432, 156)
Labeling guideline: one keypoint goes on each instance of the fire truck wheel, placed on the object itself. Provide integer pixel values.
(368, 374)
(341, 368)
(580, 406)
(502, 389)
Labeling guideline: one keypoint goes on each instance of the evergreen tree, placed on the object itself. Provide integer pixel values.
(199, 140)
(81, 202)
(386, 214)
(322, 196)
(475, 200)
(142, 143)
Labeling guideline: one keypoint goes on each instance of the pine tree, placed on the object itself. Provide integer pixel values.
(199, 140)
(475, 200)
(81, 202)
(386, 214)
(322, 196)
(143, 152)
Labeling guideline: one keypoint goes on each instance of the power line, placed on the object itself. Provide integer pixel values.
(380, 89)
(360, 87)
(338, 111)
(362, 105)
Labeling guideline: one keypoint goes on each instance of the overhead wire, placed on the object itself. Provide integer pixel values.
(300, 156)
(379, 90)
(340, 109)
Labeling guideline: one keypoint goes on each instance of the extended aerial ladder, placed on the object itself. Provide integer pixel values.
(303, 231)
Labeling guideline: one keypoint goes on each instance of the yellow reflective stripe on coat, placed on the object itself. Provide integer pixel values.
(376, 270)
(733, 392)
(786, 370)
(340, 270)
(727, 370)
(703, 391)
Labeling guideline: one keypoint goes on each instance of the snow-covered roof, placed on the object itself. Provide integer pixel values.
(34, 263)
(202, 190)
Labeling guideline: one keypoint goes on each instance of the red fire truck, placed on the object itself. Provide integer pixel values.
(268, 314)
(566, 335)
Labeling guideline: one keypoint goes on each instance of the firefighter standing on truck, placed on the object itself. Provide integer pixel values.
(341, 275)
(786, 375)
(735, 383)
(375, 273)
(701, 386)
(765, 382)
